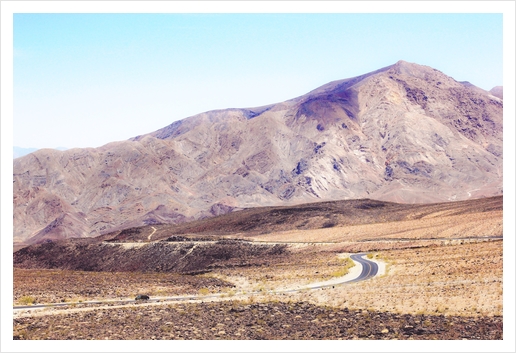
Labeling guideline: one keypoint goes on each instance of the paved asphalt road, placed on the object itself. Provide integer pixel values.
(369, 270)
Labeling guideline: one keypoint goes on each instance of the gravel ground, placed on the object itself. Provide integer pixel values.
(245, 320)
(54, 286)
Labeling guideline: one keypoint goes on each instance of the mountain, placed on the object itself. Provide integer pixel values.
(404, 133)
(22, 151)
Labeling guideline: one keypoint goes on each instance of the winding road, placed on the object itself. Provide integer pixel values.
(369, 270)
(151, 234)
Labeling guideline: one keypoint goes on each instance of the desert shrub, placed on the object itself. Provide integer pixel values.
(27, 300)
(261, 288)
(346, 265)
(204, 291)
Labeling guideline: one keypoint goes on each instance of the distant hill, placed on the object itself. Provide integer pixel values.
(497, 91)
(317, 215)
(22, 151)
(405, 133)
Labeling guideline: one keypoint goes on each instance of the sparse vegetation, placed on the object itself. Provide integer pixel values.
(347, 263)
(73, 286)
(424, 278)
(252, 320)
(27, 300)
(204, 291)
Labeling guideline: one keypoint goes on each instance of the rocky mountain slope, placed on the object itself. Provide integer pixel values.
(404, 133)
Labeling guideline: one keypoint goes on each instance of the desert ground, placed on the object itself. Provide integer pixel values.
(442, 279)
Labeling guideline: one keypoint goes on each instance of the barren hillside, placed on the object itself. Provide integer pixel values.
(405, 133)
(353, 226)
(441, 277)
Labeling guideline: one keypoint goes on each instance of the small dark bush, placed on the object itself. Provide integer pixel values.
(328, 225)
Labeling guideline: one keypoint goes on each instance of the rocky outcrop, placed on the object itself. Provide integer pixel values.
(181, 257)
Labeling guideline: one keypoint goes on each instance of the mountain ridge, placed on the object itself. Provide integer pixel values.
(403, 133)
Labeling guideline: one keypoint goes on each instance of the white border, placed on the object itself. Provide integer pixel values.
(256, 6)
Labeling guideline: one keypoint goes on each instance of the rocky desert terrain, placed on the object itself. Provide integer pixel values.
(238, 320)
(442, 279)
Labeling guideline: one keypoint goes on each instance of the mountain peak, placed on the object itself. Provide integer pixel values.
(405, 63)
(404, 133)
(401, 67)
(412, 69)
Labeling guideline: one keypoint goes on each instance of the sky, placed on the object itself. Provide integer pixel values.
(83, 80)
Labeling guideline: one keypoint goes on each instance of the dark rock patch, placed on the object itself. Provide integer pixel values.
(232, 320)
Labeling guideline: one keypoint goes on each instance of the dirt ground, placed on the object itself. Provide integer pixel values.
(443, 279)
(446, 292)
(463, 279)
(57, 286)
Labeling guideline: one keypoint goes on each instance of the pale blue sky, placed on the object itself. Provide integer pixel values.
(83, 80)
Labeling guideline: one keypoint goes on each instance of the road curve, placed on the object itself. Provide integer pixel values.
(151, 234)
(369, 270)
